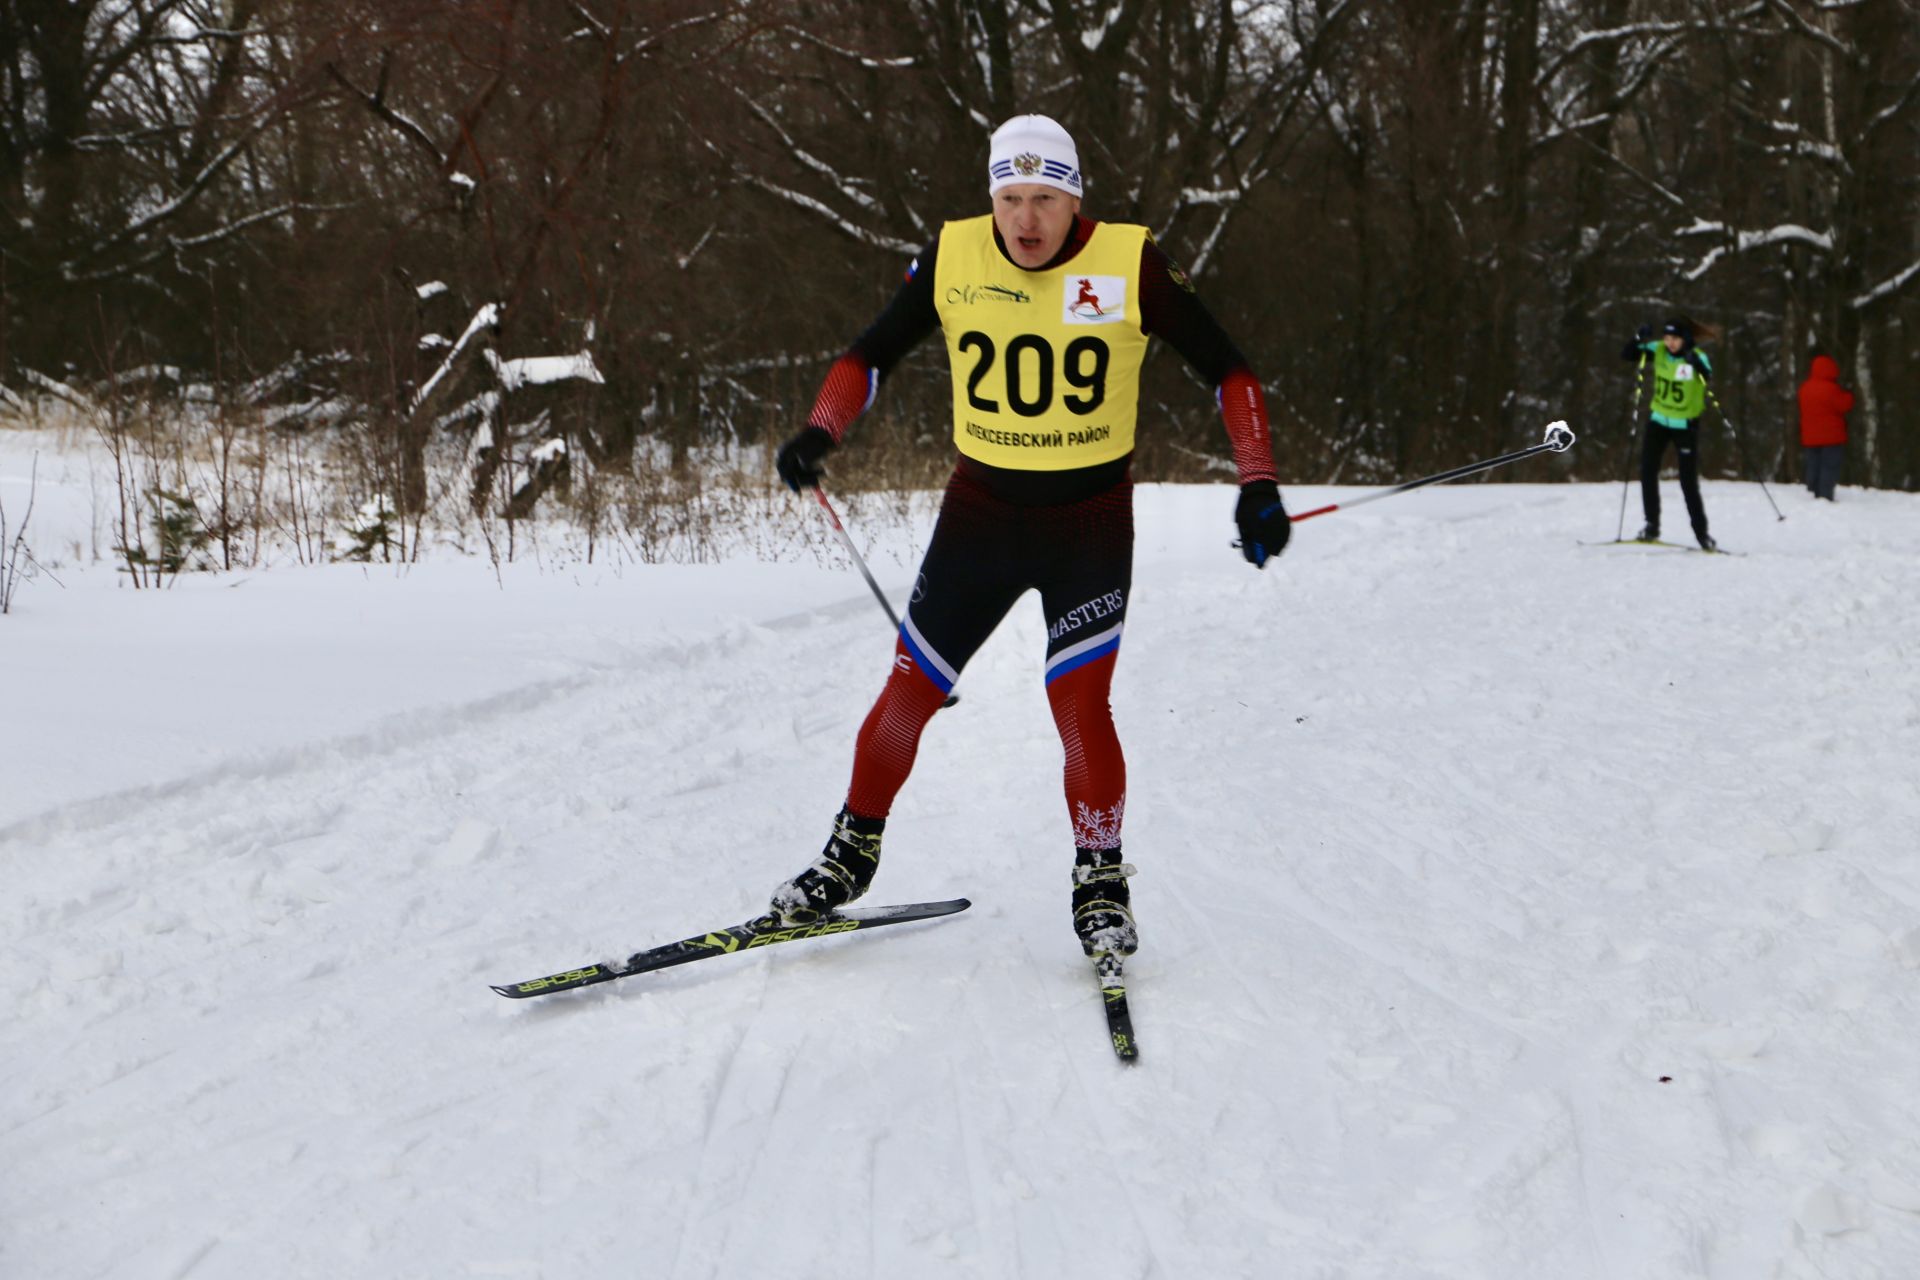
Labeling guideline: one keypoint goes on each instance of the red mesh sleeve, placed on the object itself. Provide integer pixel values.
(844, 396)
(1244, 409)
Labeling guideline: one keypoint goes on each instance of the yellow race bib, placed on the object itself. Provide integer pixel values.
(1046, 364)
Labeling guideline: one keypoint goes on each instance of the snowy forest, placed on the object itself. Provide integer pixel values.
(600, 238)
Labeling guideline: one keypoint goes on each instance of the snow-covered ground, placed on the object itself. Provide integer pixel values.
(1511, 908)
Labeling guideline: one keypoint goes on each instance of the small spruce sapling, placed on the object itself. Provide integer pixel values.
(182, 536)
(370, 529)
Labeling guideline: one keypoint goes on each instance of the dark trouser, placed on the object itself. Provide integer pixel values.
(1823, 468)
(986, 553)
(1652, 451)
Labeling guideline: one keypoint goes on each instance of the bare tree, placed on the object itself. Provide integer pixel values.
(16, 558)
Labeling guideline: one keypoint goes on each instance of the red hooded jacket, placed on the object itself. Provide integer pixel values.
(1823, 405)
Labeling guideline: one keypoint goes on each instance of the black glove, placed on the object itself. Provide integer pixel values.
(798, 461)
(1264, 527)
(1643, 334)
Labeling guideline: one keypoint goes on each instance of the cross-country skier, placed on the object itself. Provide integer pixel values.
(1680, 374)
(1045, 394)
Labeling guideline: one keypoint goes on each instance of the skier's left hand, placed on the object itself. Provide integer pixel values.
(1264, 527)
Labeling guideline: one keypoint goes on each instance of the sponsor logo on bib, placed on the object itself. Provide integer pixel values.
(1094, 300)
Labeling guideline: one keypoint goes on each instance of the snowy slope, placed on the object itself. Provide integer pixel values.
(1455, 837)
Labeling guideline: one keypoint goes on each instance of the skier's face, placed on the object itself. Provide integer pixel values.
(1034, 220)
(1674, 342)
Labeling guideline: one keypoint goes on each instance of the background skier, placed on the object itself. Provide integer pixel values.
(1045, 394)
(1680, 373)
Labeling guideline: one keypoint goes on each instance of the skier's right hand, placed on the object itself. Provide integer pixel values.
(799, 459)
(1643, 334)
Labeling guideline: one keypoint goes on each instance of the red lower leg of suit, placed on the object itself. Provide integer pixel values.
(890, 736)
(1096, 772)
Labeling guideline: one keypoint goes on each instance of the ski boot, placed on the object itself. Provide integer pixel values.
(843, 871)
(1705, 540)
(1649, 533)
(1103, 904)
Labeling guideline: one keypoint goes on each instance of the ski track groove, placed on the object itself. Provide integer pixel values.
(872, 1233)
(1056, 1246)
(1008, 1094)
(1401, 969)
(717, 1103)
(1073, 1057)
(407, 732)
(764, 1134)
(1596, 1242)
(192, 1263)
(992, 1243)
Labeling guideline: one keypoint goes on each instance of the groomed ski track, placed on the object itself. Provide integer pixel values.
(1454, 840)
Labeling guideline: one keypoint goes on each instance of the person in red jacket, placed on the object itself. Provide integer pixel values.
(1823, 425)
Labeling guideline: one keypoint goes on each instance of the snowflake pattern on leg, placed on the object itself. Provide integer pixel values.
(1098, 828)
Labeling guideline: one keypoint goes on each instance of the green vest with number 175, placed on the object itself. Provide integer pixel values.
(1679, 392)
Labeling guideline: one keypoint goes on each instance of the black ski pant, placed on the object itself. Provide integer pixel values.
(1823, 468)
(1653, 450)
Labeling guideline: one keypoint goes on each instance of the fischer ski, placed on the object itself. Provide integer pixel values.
(762, 931)
(1110, 969)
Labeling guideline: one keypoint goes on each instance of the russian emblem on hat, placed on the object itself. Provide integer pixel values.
(1033, 149)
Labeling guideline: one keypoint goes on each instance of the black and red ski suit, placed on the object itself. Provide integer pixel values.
(1067, 534)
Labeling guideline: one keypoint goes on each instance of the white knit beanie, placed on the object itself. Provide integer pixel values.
(1033, 149)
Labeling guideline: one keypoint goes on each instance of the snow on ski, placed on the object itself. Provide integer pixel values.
(760, 932)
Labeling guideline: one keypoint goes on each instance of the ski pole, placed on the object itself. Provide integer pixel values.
(878, 594)
(1741, 440)
(1558, 439)
(1633, 429)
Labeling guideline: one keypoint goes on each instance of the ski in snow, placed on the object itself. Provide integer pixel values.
(1672, 546)
(1110, 969)
(761, 932)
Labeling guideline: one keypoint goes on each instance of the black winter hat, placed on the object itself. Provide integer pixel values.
(1682, 326)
